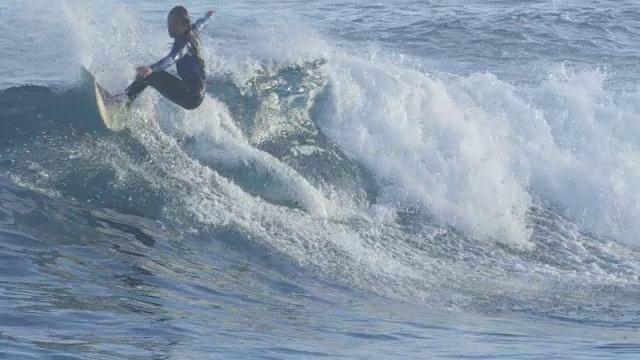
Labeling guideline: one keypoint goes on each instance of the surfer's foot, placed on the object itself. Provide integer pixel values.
(120, 98)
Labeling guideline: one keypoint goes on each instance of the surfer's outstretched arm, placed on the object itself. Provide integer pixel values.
(199, 24)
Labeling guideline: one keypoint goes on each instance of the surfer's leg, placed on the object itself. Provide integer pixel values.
(134, 90)
(170, 87)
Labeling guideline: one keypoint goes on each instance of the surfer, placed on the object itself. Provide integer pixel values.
(188, 90)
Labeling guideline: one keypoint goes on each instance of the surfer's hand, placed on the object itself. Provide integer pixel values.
(143, 72)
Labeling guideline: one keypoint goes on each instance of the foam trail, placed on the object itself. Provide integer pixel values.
(200, 194)
(220, 143)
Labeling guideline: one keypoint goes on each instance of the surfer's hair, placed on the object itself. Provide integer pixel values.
(181, 13)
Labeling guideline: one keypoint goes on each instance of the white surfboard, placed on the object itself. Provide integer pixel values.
(112, 112)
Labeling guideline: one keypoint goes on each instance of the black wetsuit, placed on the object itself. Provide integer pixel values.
(188, 91)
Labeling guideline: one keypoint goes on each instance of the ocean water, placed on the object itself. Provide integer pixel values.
(364, 180)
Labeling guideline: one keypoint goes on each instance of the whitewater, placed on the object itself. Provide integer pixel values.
(364, 180)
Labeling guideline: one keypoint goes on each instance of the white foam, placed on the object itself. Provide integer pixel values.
(588, 159)
(435, 146)
(475, 150)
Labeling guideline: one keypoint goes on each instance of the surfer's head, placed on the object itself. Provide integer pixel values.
(178, 21)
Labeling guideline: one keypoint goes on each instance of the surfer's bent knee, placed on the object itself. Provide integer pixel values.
(195, 104)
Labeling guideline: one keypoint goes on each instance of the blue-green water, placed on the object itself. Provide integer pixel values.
(364, 180)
